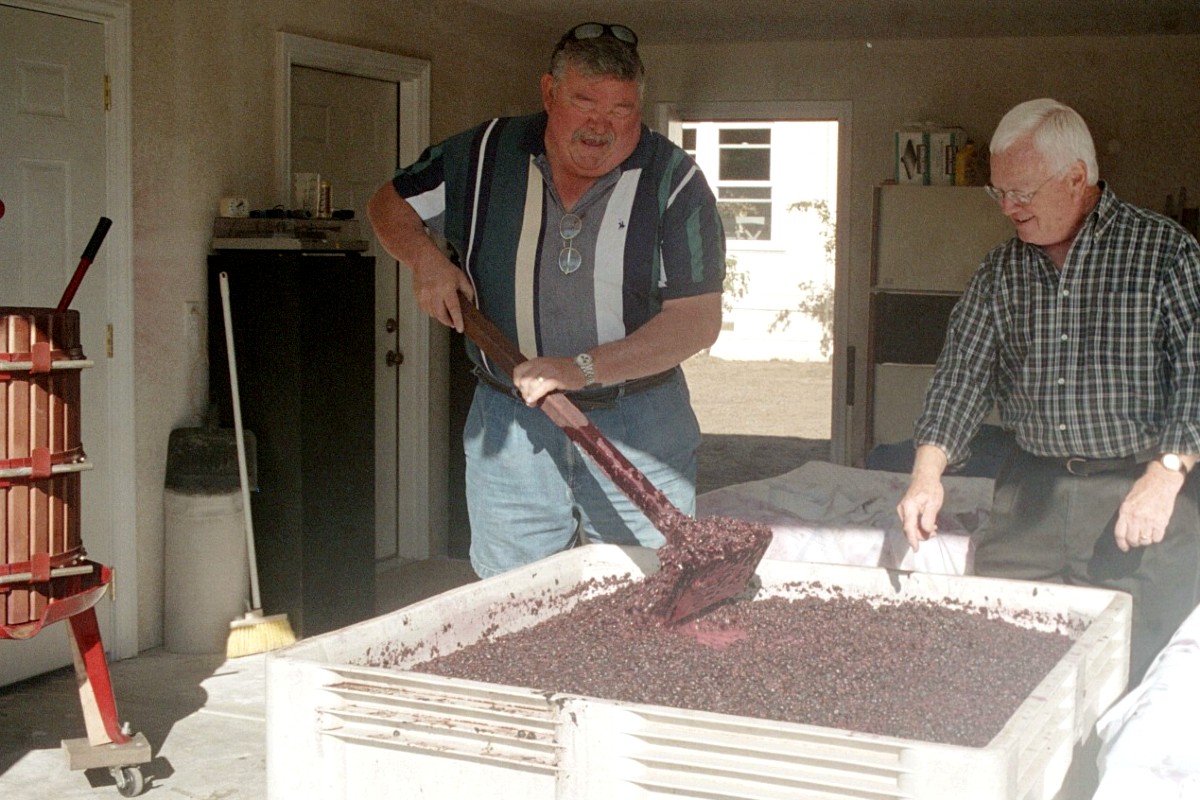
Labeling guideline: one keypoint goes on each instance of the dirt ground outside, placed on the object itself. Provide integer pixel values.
(758, 418)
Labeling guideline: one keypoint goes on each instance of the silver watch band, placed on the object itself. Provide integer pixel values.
(588, 367)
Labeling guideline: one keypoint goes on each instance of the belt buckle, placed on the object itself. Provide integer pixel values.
(1071, 462)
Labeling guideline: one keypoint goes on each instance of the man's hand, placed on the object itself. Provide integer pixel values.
(436, 281)
(919, 507)
(682, 328)
(538, 377)
(437, 284)
(1144, 514)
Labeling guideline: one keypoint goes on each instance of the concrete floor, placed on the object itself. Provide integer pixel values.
(203, 715)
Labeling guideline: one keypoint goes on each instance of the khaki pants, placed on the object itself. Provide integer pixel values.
(1049, 525)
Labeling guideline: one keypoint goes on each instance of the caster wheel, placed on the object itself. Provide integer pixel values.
(130, 782)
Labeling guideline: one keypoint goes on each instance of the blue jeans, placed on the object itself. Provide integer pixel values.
(530, 490)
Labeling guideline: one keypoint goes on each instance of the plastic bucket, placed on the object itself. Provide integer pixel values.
(206, 571)
(206, 575)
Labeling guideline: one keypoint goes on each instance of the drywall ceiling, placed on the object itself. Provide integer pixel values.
(679, 21)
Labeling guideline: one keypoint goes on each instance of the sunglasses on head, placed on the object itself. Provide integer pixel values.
(594, 30)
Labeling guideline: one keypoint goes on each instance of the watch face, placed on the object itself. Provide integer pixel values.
(586, 365)
(1171, 461)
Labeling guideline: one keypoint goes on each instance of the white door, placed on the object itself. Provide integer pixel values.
(344, 127)
(52, 184)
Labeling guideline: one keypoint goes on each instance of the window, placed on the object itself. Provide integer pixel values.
(738, 156)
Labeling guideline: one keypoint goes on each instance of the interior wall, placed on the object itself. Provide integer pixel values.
(1137, 93)
(203, 129)
(203, 117)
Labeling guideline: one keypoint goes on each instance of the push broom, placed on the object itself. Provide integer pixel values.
(253, 632)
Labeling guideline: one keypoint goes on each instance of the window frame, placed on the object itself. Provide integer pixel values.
(707, 149)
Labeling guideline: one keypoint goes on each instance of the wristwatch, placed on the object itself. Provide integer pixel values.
(1174, 462)
(588, 367)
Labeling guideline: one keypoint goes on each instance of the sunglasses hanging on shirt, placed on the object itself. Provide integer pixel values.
(569, 259)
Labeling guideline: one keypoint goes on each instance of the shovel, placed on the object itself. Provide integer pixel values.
(704, 561)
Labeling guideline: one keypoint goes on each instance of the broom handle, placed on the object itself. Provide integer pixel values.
(241, 445)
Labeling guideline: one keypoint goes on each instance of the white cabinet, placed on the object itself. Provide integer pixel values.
(931, 238)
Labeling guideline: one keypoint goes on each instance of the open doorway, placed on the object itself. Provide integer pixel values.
(764, 393)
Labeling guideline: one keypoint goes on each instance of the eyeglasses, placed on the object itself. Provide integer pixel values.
(1015, 197)
(594, 30)
(569, 259)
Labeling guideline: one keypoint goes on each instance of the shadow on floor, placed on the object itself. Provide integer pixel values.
(153, 692)
(204, 715)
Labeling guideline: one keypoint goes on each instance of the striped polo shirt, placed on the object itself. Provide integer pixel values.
(650, 233)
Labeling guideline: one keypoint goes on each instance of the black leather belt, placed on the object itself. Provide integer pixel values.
(588, 399)
(1085, 467)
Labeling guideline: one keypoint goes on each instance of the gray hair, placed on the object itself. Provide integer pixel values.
(1059, 134)
(602, 56)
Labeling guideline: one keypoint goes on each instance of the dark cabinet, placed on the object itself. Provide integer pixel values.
(303, 332)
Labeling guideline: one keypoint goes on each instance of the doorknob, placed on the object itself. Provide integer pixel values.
(394, 358)
(390, 326)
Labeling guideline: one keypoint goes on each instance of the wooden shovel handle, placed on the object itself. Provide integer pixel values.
(501, 350)
(691, 580)
(490, 339)
(662, 513)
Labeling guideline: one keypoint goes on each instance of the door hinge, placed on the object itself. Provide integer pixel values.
(108, 336)
(107, 93)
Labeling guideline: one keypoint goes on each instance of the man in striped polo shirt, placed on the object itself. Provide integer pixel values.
(596, 246)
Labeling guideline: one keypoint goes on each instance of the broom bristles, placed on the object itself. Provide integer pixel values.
(255, 633)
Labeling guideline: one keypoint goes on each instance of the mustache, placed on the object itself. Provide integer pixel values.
(581, 134)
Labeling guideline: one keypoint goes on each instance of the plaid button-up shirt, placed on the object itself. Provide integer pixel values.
(1098, 360)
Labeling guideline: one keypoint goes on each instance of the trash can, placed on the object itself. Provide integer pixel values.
(206, 571)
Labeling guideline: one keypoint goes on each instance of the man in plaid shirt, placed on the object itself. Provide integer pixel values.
(1083, 330)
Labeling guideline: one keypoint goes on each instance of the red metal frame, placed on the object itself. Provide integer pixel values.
(69, 596)
(73, 599)
(95, 683)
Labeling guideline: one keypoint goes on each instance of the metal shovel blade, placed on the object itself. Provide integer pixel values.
(704, 561)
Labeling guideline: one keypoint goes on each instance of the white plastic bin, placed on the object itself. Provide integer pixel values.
(206, 573)
(336, 730)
